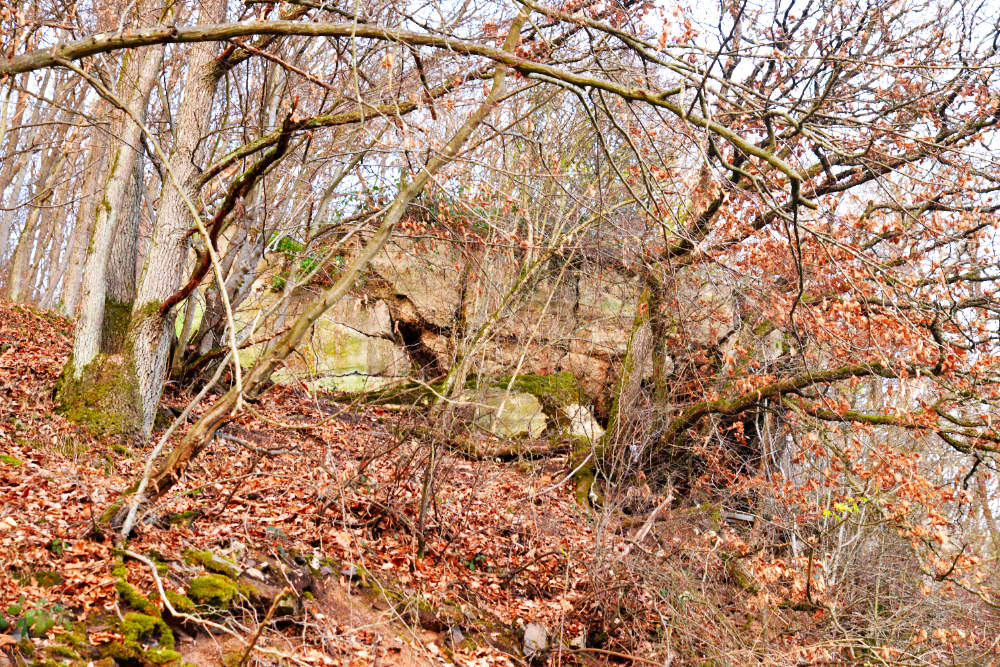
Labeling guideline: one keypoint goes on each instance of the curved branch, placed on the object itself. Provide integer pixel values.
(107, 42)
(741, 403)
(237, 191)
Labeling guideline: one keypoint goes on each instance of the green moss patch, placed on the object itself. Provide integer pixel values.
(550, 389)
(135, 626)
(183, 518)
(128, 595)
(212, 562)
(181, 603)
(48, 578)
(161, 656)
(213, 590)
(62, 652)
(10, 460)
(103, 399)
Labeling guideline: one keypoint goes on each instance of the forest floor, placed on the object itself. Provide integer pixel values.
(331, 509)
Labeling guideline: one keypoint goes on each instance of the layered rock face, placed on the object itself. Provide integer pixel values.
(423, 306)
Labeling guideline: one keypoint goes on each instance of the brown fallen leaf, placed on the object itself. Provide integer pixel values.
(103, 637)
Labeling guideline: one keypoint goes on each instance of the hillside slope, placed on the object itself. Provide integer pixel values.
(302, 523)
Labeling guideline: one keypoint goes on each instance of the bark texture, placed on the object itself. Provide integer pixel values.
(96, 387)
(149, 332)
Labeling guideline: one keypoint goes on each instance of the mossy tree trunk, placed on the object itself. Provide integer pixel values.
(98, 388)
(121, 275)
(147, 350)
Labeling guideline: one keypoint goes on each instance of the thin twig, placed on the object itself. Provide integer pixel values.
(260, 628)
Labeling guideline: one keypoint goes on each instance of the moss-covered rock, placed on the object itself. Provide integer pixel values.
(508, 414)
(181, 603)
(161, 657)
(136, 626)
(146, 642)
(128, 595)
(213, 590)
(563, 401)
(553, 390)
(212, 562)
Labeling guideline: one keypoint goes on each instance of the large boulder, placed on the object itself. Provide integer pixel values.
(426, 276)
(580, 422)
(507, 414)
(340, 358)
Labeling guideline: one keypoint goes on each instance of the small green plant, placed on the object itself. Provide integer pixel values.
(476, 562)
(34, 620)
(11, 461)
(57, 546)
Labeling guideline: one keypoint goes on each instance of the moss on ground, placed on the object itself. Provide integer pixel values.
(11, 461)
(183, 518)
(211, 562)
(60, 651)
(128, 595)
(213, 590)
(48, 578)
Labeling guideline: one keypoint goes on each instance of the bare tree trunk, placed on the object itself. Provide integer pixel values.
(86, 213)
(19, 281)
(149, 332)
(53, 221)
(15, 169)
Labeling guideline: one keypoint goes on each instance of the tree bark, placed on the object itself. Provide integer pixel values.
(86, 213)
(19, 280)
(149, 332)
(96, 389)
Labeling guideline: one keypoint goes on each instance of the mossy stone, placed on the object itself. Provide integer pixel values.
(213, 590)
(161, 656)
(181, 603)
(212, 562)
(127, 593)
(135, 626)
(552, 389)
